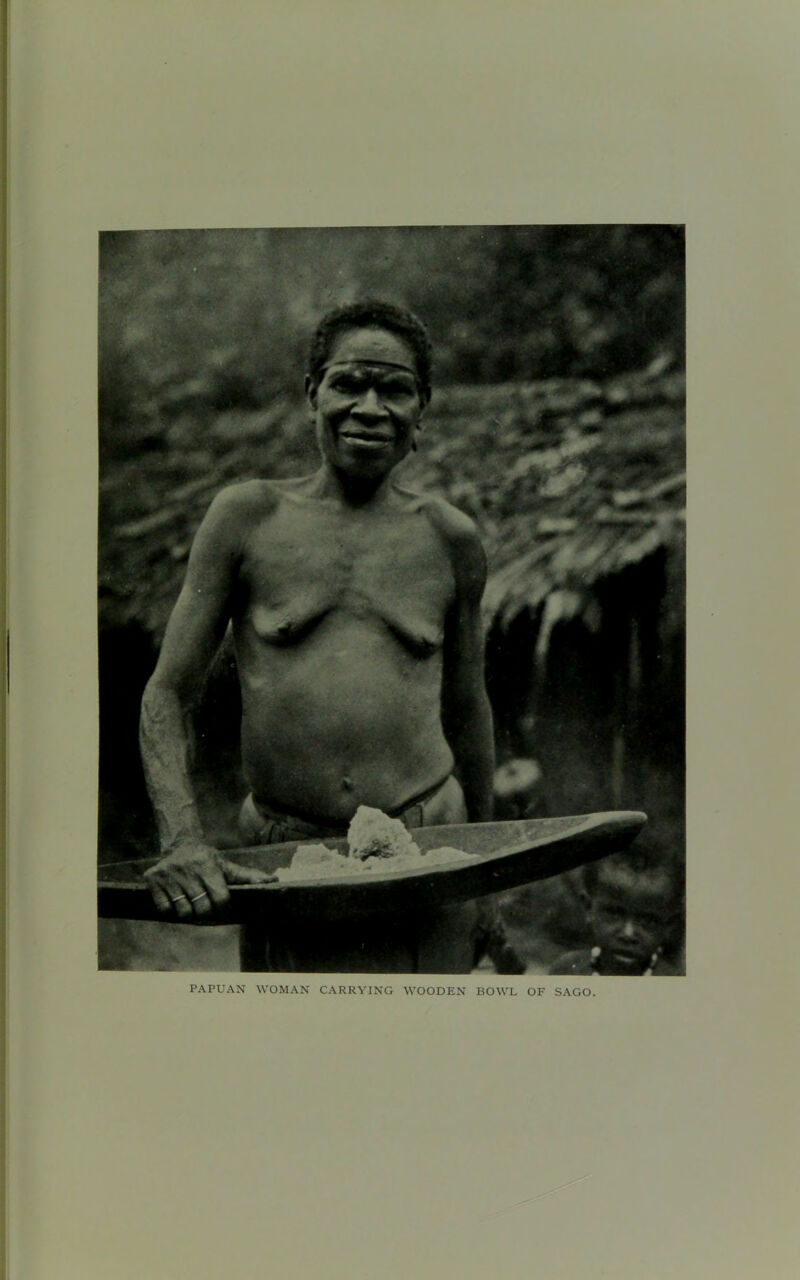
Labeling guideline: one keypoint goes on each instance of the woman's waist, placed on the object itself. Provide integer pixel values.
(327, 789)
(303, 824)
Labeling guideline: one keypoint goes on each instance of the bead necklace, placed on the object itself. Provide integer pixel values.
(596, 952)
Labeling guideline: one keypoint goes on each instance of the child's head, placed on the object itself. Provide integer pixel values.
(633, 906)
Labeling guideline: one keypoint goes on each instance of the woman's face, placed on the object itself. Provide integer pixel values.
(367, 403)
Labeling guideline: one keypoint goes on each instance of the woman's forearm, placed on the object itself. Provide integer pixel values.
(472, 744)
(166, 746)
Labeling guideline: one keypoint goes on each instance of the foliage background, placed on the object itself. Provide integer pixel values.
(221, 319)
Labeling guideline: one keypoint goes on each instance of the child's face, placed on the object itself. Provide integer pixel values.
(630, 916)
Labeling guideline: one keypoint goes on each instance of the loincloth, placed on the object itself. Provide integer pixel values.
(259, 823)
(441, 940)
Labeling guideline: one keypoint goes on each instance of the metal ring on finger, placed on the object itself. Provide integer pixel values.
(177, 897)
(198, 896)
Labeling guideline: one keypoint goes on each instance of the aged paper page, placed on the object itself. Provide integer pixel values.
(648, 1131)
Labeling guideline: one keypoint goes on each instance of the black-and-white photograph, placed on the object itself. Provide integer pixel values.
(392, 600)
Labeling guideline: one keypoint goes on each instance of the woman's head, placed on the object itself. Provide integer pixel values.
(367, 387)
(373, 313)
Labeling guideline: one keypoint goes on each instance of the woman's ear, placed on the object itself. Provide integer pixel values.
(311, 391)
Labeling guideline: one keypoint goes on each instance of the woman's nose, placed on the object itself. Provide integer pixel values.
(370, 404)
(629, 929)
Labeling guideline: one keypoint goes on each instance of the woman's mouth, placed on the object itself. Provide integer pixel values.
(366, 439)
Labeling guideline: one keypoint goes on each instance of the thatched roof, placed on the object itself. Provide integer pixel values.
(569, 481)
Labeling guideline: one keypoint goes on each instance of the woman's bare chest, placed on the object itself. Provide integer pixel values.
(296, 571)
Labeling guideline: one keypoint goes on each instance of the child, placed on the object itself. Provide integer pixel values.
(634, 909)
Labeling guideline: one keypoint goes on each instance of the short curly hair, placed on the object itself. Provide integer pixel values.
(641, 861)
(373, 313)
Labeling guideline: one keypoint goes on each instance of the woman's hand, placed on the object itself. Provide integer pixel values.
(192, 880)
